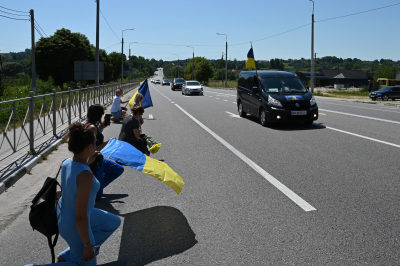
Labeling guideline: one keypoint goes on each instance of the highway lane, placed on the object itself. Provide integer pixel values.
(333, 169)
(237, 216)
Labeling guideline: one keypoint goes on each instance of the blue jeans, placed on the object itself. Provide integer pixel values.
(117, 114)
(101, 226)
(107, 171)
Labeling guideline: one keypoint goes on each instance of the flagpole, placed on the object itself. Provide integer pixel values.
(254, 60)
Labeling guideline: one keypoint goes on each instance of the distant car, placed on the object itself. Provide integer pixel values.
(165, 82)
(151, 80)
(177, 84)
(157, 81)
(386, 93)
(192, 87)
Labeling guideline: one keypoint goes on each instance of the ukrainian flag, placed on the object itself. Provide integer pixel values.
(123, 152)
(250, 62)
(143, 89)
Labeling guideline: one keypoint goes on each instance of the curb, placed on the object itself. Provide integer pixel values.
(9, 181)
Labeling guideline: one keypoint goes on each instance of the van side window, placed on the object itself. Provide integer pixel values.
(242, 81)
(249, 82)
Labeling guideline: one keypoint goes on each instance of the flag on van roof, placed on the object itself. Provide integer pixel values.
(250, 62)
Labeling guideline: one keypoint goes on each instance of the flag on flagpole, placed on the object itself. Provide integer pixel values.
(123, 152)
(143, 89)
(250, 62)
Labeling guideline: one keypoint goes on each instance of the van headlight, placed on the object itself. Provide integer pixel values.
(274, 102)
(313, 101)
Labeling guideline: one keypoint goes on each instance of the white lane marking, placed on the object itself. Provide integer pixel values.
(364, 137)
(366, 117)
(234, 102)
(221, 93)
(321, 114)
(232, 114)
(225, 100)
(210, 96)
(281, 187)
(217, 98)
(360, 107)
(172, 102)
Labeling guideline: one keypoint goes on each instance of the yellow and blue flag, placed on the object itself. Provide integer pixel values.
(250, 62)
(143, 89)
(123, 152)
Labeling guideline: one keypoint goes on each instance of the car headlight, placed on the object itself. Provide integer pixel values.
(313, 101)
(273, 101)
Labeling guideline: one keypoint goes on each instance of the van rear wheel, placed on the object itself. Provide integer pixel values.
(240, 110)
(263, 118)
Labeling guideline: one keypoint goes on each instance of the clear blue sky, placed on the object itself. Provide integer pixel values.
(367, 36)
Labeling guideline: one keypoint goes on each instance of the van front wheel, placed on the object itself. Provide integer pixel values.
(263, 118)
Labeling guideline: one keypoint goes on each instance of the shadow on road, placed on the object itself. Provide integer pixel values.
(289, 126)
(106, 201)
(153, 234)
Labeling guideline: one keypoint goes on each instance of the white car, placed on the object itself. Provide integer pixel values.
(157, 81)
(192, 87)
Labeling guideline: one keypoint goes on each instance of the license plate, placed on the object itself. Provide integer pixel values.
(299, 112)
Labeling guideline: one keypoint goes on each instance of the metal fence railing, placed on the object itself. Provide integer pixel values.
(27, 123)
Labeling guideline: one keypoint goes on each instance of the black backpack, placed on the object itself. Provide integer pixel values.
(43, 213)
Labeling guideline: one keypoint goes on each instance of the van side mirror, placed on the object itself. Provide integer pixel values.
(308, 88)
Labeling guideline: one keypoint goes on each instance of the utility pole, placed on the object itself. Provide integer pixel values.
(193, 62)
(33, 51)
(226, 60)
(122, 56)
(312, 50)
(129, 63)
(97, 68)
(315, 67)
(222, 67)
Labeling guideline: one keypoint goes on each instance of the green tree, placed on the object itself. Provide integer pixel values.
(12, 69)
(56, 54)
(386, 71)
(203, 70)
(115, 63)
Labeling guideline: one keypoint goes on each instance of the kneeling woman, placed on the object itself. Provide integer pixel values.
(106, 171)
(131, 130)
(80, 224)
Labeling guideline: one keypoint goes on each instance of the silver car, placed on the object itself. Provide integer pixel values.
(192, 87)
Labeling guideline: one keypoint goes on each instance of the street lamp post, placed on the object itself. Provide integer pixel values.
(122, 56)
(178, 64)
(312, 49)
(193, 63)
(226, 60)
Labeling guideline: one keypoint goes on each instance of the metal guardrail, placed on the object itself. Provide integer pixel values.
(51, 114)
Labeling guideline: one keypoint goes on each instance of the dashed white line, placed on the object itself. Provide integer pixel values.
(281, 187)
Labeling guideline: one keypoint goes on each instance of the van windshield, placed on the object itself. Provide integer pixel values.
(282, 85)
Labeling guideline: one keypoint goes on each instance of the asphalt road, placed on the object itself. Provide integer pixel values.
(324, 194)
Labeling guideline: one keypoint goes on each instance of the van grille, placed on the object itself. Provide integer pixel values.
(292, 106)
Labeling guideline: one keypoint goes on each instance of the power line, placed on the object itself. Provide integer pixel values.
(37, 23)
(38, 31)
(13, 10)
(14, 14)
(14, 18)
(358, 13)
(112, 45)
(109, 25)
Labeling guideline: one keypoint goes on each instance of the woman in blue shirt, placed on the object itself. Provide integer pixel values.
(84, 227)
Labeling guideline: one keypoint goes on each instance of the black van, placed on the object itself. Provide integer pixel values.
(276, 96)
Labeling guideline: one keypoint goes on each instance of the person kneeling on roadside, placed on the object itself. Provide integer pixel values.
(82, 226)
(106, 171)
(116, 109)
(131, 130)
